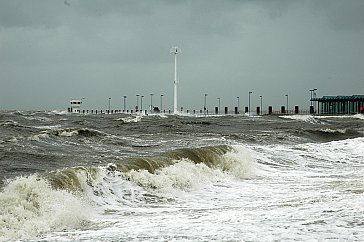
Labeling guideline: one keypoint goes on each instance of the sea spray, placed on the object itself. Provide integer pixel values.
(30, 206)
(238, 162)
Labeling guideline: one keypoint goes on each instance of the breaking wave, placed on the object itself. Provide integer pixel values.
(81, 132)
(30, 206)
(76, 131)
(64, 199)
(130, 119)
(191, 168)
(223, 156)
(305, 118)
(327, 134)
(231, 159)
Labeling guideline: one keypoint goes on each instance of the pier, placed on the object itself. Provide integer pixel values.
(197, 112)
(326, 105)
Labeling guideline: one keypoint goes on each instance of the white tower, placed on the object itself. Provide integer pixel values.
(175, 50)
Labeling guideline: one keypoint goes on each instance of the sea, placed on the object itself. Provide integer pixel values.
(123, 177)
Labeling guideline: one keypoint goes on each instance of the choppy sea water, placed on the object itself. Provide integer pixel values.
(67, 177)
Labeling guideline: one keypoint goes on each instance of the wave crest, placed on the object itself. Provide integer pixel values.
(210, 156)
(199, 166)
(327, 134)
(76, 131)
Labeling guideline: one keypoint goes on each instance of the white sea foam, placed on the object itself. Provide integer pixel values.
(328, 130)
(161, 115)
(134, 119)
(67, 133)
(59, 112)
(347, 116)
(29, 207)
(38, 118)
(359, 116)
(183, 176)
(348, 150)
(324, 155)
(238, 162)
(304, 118)
(48, 127)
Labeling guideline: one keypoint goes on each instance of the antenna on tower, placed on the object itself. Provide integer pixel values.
(175, 50)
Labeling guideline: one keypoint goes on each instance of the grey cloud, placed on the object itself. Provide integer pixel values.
(342, 15)
(38, 13)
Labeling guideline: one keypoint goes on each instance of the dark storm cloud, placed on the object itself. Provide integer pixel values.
(98, 49)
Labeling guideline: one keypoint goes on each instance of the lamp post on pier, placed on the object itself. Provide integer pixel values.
(141, 104)
(313, 94)
(124, 103)
(261, 104)
(161, 102)
(205, 107)
(109, 103)
(238, 103)
(151, 102)
(250, 92)
(137, 104)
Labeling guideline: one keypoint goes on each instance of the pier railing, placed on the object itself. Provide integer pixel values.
(196, 112)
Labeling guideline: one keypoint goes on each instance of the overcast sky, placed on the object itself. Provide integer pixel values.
(51, 51)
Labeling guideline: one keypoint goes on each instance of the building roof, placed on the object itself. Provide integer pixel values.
(339, 98)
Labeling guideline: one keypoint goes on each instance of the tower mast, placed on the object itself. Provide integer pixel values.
(175, 50)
